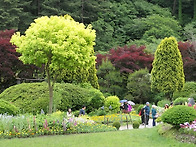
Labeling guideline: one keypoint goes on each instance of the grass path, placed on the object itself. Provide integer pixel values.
(135, 137)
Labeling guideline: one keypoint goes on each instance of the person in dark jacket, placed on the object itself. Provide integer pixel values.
(142, 116)
(125, 108)
(147, 112)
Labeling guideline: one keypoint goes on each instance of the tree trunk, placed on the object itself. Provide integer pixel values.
(50, 85)
(180, 11)
(174, 7)
(194, 15)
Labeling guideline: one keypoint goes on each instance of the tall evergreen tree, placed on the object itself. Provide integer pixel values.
(167, 74)
(9, 14)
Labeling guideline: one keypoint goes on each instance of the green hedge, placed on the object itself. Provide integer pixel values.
(178, 115)
(32, 97)
(7, 107)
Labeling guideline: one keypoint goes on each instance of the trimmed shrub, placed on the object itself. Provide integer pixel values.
(6, 107)
(188, 89)
(116, 124)
(178, 115)
(114, 102)
(163, 102)
(180, 100)
(32, 97)
(136, 124)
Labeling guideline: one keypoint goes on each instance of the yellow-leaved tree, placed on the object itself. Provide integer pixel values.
(59, 43)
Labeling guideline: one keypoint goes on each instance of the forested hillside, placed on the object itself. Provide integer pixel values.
(127, 35)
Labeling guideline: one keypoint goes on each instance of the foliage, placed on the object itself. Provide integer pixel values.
(139, 108)
(187, 50)
(109, 79)
(113, 102)
(96, 100)
(180, 100)
(32, 97)
(178, 115)
(8, 108)
(188, 89)
(167, 74)
(163, 102)
(116, 124)
(193, 95)
(159, 96)
(136, 124)
(128, 58)
(138, 85)
(11, 67)
(65, 45)
(9, 14)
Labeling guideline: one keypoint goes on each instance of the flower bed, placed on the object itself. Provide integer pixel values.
(188, 128)
(29, 126)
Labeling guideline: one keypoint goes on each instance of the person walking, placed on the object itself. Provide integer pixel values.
(147, 112)
(154, 112)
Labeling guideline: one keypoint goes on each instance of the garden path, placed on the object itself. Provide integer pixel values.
(124, 127)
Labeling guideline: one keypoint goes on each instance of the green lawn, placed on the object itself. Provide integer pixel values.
(135, 138)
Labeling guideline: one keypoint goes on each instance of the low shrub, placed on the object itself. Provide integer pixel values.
(136, 124)
(113, 103)
(7, 107)
(178, 115)
(180, 100)
(116, 124)
(163, 102)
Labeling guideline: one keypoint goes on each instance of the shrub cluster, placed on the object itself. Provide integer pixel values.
(178, 115)
(32, 97)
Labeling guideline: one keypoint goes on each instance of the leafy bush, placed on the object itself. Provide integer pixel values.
(188, 89)
(32, 97)
(6, 107)
(178, 115)
(101, 112)
(180, 100)
(113, 101)
(163, 102)
(136, 124)
(96, 100)
(116, 124)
